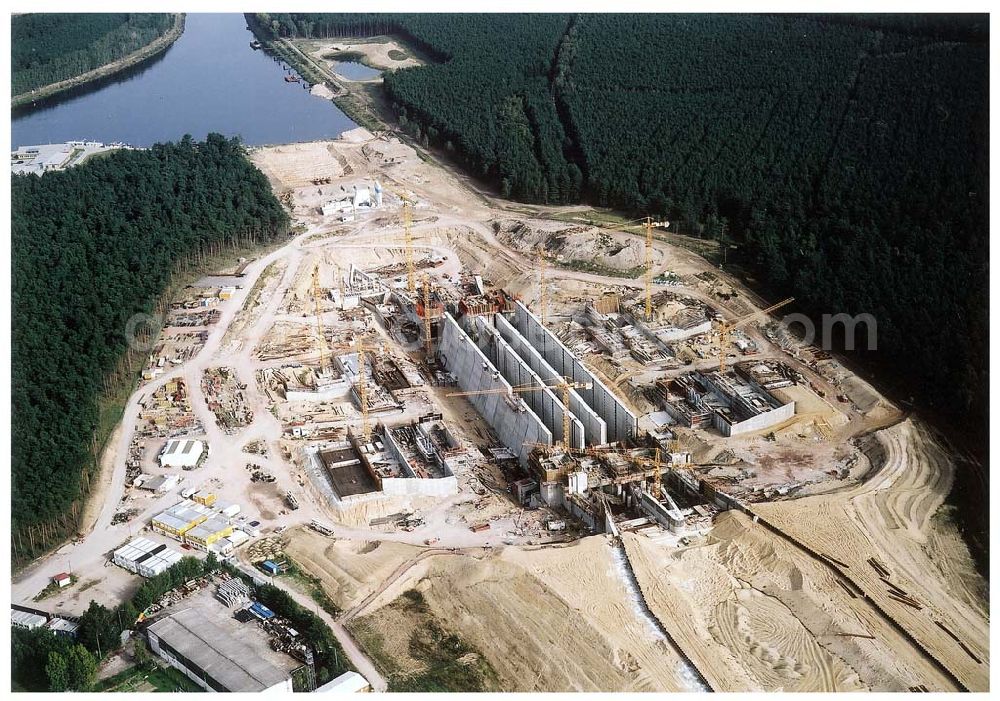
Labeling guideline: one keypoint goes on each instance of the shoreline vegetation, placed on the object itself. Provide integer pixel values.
(145, 53)
(349, 101)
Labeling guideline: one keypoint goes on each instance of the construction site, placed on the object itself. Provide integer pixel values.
(578, 441)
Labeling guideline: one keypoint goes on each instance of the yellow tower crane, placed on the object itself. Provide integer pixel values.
(728, 326)
(319, 318)
(411, 272)
(428, 342)
(564, 385)
(649, 269)
(362, 349)
(648, 225)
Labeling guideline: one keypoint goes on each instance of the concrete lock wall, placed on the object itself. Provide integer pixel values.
(415, 486)
(594, 427)
(514, 427)
(546, 403)
(411, 485)
(759, 422)
(620, 421)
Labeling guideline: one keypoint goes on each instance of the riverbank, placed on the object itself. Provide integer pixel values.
(154, 48)
(356, 103)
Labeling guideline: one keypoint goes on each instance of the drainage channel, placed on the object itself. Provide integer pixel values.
(686, 671)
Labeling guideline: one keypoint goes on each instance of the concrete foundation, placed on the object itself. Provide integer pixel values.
(595, 429)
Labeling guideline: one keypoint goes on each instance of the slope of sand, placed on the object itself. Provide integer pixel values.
(588, 579)
(546, 619)
(889, 517)
(349, 570)
(754, 612)
(533, 638)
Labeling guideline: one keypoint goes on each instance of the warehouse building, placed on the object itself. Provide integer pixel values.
(183, 453)
(212, 658)
(144, 557)
(63, 627)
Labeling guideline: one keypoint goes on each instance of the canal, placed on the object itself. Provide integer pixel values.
(208, 80)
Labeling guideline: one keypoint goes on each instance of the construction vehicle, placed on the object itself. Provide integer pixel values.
(563, 384)
(726, 327)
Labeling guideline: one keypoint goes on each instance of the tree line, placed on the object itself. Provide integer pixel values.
(48, 48)
(92, 246)
(845, 154)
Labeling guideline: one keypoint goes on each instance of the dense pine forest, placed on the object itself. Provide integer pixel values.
(845, 153)
(47, 48)
(91, 247)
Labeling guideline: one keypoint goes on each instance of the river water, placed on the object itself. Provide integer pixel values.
(208, 80)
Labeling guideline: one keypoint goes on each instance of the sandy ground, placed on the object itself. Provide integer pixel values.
(755, 613)
(566, 609)
(889, 517)
(376, 53)
(750, 609)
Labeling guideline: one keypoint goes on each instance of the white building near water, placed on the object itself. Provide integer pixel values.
(182, 453)
(362, 197)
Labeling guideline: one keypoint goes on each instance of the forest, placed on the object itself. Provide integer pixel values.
(91, 247)
(50, 47)
(844, 155)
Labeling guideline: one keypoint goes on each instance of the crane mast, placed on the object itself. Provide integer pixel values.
(319, 318)
(411, 275)
(428, 343)
(366, 430)
(542, 296)
(649, 268)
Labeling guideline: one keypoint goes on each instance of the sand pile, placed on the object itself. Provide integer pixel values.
(576, 243)
(756, 613)
(349, 570)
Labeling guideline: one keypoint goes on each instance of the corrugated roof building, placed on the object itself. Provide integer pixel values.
(144, 557)
(204, 535)
(181, 453)
(180, 518)
(28, 621)
(213, 658)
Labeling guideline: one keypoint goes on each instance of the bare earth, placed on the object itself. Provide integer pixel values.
(749, 607)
